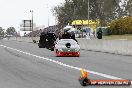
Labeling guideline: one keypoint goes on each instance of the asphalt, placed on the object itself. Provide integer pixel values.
(19, 70)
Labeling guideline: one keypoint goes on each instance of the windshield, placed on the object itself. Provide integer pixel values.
(63, 42)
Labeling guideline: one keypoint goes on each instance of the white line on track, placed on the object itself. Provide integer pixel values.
(61, 64)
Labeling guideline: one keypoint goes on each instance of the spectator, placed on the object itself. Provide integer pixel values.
(99, 34)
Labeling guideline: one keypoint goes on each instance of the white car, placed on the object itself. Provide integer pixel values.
(67, 47)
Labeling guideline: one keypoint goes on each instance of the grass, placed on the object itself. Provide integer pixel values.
(118, 37)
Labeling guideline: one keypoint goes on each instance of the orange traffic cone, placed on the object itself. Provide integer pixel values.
(83, 80)
(84, 73)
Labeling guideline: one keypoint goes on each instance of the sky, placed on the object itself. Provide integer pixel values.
(12, 12)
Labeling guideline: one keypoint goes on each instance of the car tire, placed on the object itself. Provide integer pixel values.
(40, 45)
(52, 49)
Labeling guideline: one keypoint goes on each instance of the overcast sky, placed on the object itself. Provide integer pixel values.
(12, 12)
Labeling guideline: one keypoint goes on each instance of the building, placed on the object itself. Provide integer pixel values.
(86, 23)
(26, 28)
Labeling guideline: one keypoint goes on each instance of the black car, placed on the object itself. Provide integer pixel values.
(47, 40)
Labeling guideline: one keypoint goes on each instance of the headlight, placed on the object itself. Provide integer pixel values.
(60, 50)
(77, 49)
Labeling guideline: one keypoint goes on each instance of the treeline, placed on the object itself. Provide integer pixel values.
(104, 10)
(121, 26)
(8, 31)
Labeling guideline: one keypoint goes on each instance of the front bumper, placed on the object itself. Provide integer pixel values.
(68, 54)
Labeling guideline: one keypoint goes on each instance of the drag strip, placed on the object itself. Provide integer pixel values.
(38, 66)
(62, 64)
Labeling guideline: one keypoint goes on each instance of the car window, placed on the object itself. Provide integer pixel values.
(62, 42)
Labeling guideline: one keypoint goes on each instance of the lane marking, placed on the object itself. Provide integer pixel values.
(62, 64)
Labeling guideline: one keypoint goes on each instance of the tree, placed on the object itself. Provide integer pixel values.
(129, 7)
(121, 26)
(1, 32)
(104, 10)
(64, 13)
(11, 31)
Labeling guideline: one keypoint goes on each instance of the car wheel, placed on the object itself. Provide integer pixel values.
(39, 45)
(56, 52)
(52, 49)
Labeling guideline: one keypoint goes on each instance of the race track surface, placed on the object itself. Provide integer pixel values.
(24, 65)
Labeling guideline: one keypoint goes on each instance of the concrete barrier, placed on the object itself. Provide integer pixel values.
(110, 46)
(122, 47)
(25, 39)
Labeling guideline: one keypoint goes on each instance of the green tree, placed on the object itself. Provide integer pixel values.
(11, 31)
(1, 32)
(104, 10)
(64, 13)
(121, 26)
(129, 7)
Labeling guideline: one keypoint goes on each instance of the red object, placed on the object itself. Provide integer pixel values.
(77, 54)
(86, 74)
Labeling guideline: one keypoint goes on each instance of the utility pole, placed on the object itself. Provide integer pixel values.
(88, 13)
(88, 20)
(48, 14)
(32, 23)
(73, 18)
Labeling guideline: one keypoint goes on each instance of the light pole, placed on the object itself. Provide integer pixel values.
(48, 13)
(74, 12)
(88, 13)
(32, 23)
(88, 19)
